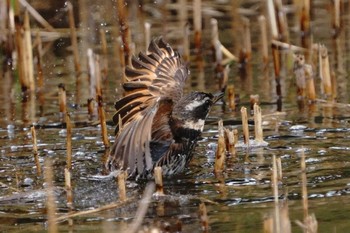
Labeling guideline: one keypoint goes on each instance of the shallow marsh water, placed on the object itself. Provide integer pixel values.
(242, 197)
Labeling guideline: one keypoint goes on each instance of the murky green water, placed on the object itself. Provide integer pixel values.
(242, 198)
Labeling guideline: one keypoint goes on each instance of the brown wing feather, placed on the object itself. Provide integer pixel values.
(156, 76)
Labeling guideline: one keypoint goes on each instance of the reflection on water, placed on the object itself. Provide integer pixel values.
(242, 197)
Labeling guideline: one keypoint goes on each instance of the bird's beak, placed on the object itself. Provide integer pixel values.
(218, 96)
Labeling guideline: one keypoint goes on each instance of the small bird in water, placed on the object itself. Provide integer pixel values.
(157, 125)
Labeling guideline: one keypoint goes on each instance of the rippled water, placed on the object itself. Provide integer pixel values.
(241, 198)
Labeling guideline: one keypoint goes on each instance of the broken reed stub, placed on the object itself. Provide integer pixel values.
(204, 217)
(220, 155)
(50, 200)
(121, 185)
(35, 151)
(230, 141)
(68, 141)
(231, 96)
(68, 187)
(245, 126)
(258, 124)
(325, 71)
(103, 124)
(62, 98)
(158, 177)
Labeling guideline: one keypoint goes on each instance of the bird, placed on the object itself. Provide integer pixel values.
(156, 123)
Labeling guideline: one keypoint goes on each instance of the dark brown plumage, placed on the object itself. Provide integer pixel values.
(159, 125)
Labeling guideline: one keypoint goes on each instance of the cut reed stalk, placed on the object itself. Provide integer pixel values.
(254, 99)
(121, 186)
(73, 37)
(97, 76)
(279, 168)
(277, 65)
(158, 176)
(69, 142)
(336, 18)
(186, 42)
(264, 44)
(277, 222)
(92, 73)
(36, 15)
(124, 30)
(40, 71)
(28, 52)
(104, 62)
(197, 24)
(247, 43)
(258, 124)
(20, 48)
(103, 124)
(231, 96)
(62, 98)
(325, 72)
(245, 126)
(220, 155)
(304, 186)
(147, 34)
(91, 108)
(50, 199)
(35, 151)
(204, 217)
(68, 187)
(272, 19)
(230, 141)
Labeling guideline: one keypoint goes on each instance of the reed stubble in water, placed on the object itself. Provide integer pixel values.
(50, 199)
(245, 126)
(35, 151)
(73, 36)
(220, 154)
(158, 176)
(121, 185)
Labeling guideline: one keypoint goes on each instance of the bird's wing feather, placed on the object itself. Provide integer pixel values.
(156, 76)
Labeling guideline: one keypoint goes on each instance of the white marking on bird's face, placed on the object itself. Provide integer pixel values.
(195, 125)
(196, 103)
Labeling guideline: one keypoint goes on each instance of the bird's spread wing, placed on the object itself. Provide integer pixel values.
(154, 77)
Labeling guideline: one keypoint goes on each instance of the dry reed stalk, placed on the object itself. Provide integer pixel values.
(91, 108)
(147, 27)
(102, 117)
(304, 186)
(112, 205)
(20, 48)
(92, 73)
(122, 57)
(121, 185)
(305, 24)
(40, 75)
(97, 76)
(68, 187)
(231, 96)
(277, 67)
(277, 222)
(253, 99)
(279, 168)
(104, 53)
(272, 19)
(325, 72)
(197, 24)
(158, 176)
(204, 217)
(62, 98)
(264, 44)
(258, 124)
(220, 155)
(73, 38)
(28, 52)
(37, 16)
(230, 141)
(50, 198)
(247, 43)
(245, 125)
(336, 18)
(142, 208)
(286, 46)
(282, 21)
(124, 30)
(35, 151)
(68, 141)
(186, 42)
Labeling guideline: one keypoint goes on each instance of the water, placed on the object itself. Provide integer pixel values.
(236, 202)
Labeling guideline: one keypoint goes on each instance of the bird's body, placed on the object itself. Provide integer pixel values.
(156, 124)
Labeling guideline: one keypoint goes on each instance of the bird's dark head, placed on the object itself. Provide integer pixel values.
(193, 108)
